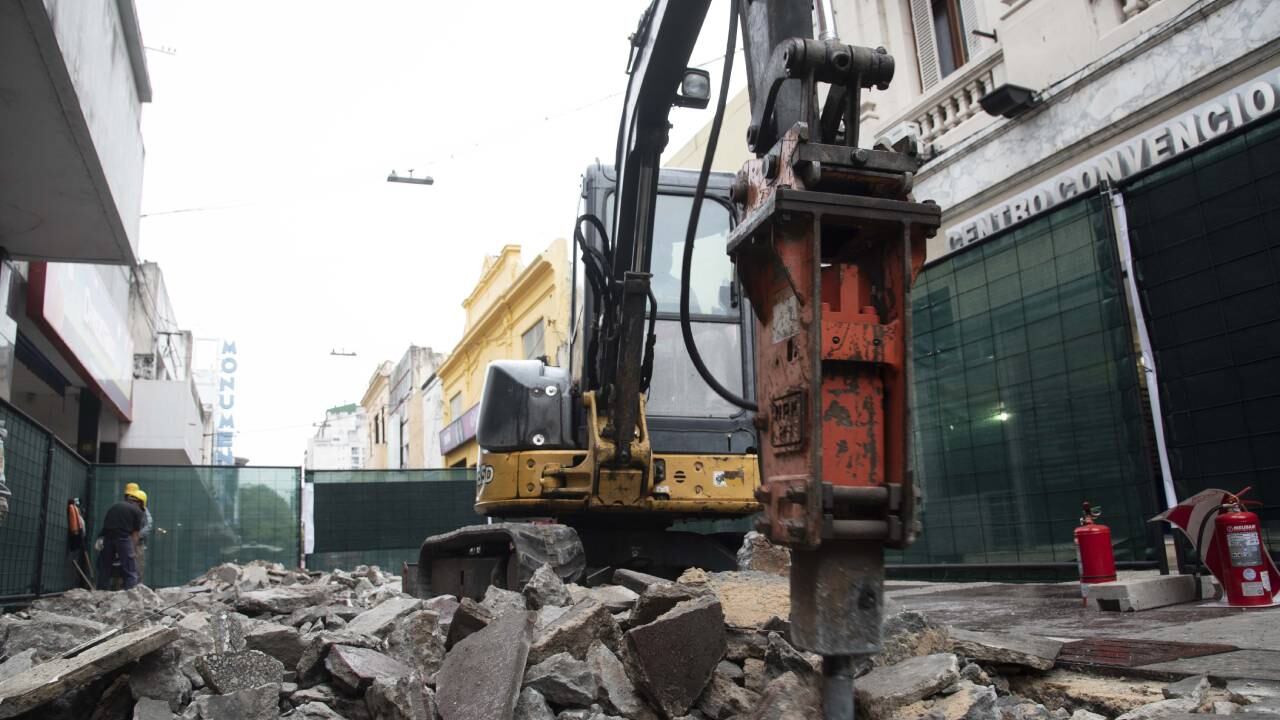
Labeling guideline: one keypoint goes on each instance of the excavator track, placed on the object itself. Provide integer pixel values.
(466, 561)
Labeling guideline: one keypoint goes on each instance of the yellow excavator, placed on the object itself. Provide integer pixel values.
(799, 410)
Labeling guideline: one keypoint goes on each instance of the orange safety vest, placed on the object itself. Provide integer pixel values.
(75, 523)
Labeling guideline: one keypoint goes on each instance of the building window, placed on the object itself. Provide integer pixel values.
(948, 29)
(943, 41)
(534, 341)
(455, 407)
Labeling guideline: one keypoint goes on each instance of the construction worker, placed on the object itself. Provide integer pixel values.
(145, 535)
(119, 536)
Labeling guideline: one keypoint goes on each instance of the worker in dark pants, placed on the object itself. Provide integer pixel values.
(119, 538)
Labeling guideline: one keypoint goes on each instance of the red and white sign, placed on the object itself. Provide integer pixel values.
(84, 310)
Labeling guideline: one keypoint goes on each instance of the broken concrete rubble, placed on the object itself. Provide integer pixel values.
(574, 632)
(279, 641)
(353, 669)
(418, 641)
(402, 698)
(532, 706)
(260, 703)
(884, 690)
(379, 620)
(564, 681)
(47, 681)
(673, 658)
(282, 600)
(546, 588)
(481, 676)
(244, 670)
(365, 651)
(1029, 651)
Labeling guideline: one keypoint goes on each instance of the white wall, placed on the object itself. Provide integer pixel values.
(166, 423)
(432, 423)
(331, 448)
(94, 46)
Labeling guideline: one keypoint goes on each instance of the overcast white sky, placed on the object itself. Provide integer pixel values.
(277, 121)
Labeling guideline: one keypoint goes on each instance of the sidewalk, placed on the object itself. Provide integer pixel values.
(1055, 611)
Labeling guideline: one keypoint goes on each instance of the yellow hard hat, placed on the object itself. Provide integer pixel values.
(131, 490)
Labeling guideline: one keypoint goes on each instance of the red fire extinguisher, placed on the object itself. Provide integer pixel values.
(1094, 557)
(1245, 577)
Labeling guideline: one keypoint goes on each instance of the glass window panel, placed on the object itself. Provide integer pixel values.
(678, 390)
(1040, 396)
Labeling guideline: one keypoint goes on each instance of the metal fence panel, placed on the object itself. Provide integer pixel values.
(206, 515)
(26, 450)
(381, 517)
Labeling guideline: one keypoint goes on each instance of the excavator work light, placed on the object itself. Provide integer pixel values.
(695, 89)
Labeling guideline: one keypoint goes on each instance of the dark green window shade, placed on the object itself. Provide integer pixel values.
(1027, 399)
(1205, 235)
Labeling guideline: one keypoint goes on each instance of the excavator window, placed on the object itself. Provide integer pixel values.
(676, 389)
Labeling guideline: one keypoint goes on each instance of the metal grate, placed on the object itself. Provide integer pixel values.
(1125, 653)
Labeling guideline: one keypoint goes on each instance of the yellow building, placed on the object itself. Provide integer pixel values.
(374, 403)
(513, 313)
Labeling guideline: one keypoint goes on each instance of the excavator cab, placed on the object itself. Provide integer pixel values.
(683, 413)
(545, 460)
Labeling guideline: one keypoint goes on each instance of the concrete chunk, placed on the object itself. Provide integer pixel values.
(673, 658)
(229, 672)
(282, 600)
(964, 701)
(500, 602)
(480, 677)
(418, 642)
(532, 706)
(789, 698)
(617, 692)
(260, 703)
(354, 669)
(51, 634)
(279, 641)
(1137, 594)
(1245, 692)
(573, 632)
(636, 581)
(152, 709)
(43, 683)
(158, 676)
(757, 553)
(379, 621)
(724, 699)
(563, 680)
(615, 597)
(1193, 687)
(469, 617)
(882, 691)
(19, 662)
(1026, 650)
(403, 698)
(317, 647)
(658, 599)
(1161, 710)
(546, 588)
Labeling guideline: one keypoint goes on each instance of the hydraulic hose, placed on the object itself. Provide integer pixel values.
(686, 329)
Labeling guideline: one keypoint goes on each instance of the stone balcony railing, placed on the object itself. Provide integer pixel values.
(955, 100)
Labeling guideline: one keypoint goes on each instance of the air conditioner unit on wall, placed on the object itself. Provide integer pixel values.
(903, 137)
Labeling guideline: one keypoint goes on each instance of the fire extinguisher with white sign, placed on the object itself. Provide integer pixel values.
(1246, 579)
(1231, 546)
